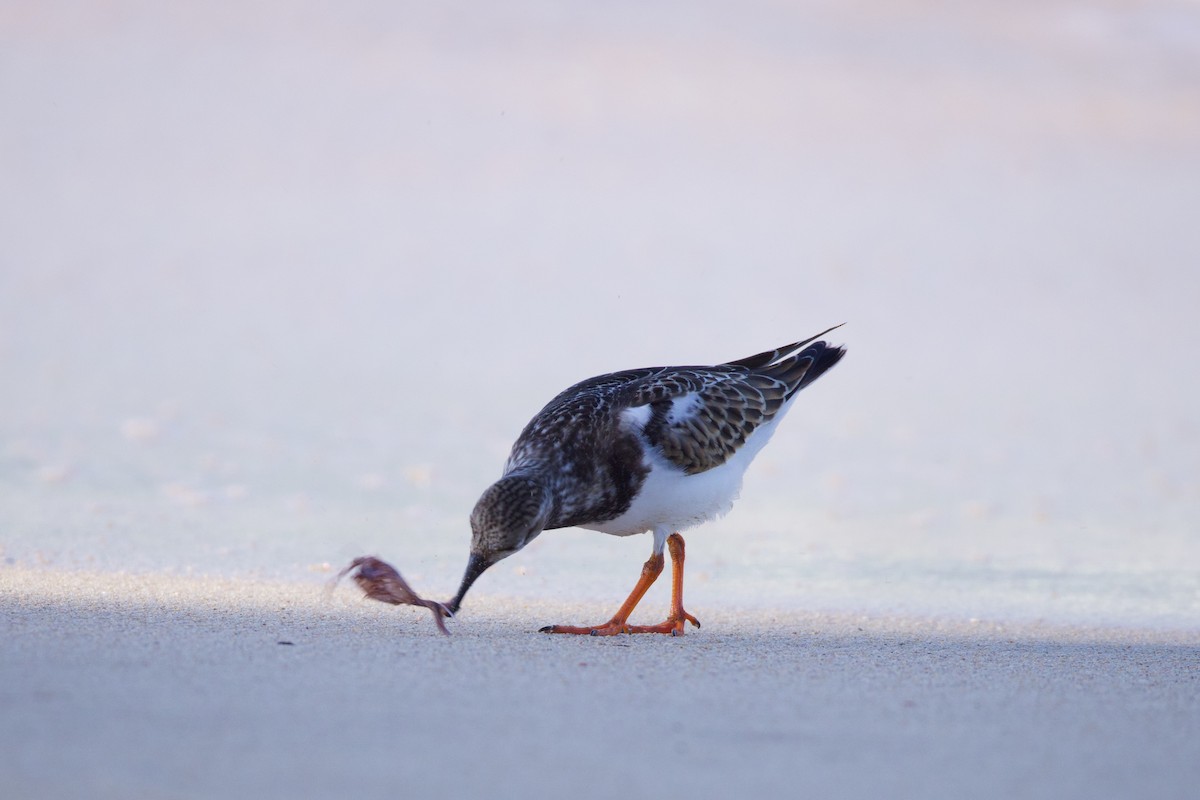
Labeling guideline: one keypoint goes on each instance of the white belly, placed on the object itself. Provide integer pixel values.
(672, 499)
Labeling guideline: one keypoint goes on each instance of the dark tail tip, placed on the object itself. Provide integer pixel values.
(806, 366)
(770, 357)
(824, 358)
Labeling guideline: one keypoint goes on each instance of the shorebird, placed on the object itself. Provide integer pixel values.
(658, 449)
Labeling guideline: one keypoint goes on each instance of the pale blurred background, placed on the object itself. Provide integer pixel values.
(281, 282)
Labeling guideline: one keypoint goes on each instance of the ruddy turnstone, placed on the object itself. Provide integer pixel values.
(656, 449)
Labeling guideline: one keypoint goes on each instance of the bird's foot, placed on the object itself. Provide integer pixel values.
(672, 625)
(610, 628)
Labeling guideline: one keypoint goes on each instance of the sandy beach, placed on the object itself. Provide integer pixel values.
(281, 282)
(152, 686)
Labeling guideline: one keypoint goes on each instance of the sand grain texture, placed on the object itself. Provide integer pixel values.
(158, 686)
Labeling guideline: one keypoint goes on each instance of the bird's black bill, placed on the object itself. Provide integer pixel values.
(475, 567)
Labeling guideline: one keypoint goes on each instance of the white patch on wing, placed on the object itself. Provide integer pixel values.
(673, 499)
(684, 407)
(636, 417)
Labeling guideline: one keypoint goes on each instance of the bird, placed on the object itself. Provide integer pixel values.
(657, 449)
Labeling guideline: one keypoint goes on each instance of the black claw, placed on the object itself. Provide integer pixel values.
(547, 629)
(593, 632)
(696, 622)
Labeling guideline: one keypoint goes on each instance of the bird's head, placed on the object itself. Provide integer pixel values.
(507, 517)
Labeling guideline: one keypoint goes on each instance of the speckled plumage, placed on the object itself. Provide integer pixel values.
(658, 448)
(590, 444)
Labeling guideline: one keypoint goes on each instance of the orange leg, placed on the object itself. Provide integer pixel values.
(675, 619)
(650, 572)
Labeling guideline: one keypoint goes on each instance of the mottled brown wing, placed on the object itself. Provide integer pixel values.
(699, 418)
(600, 385)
